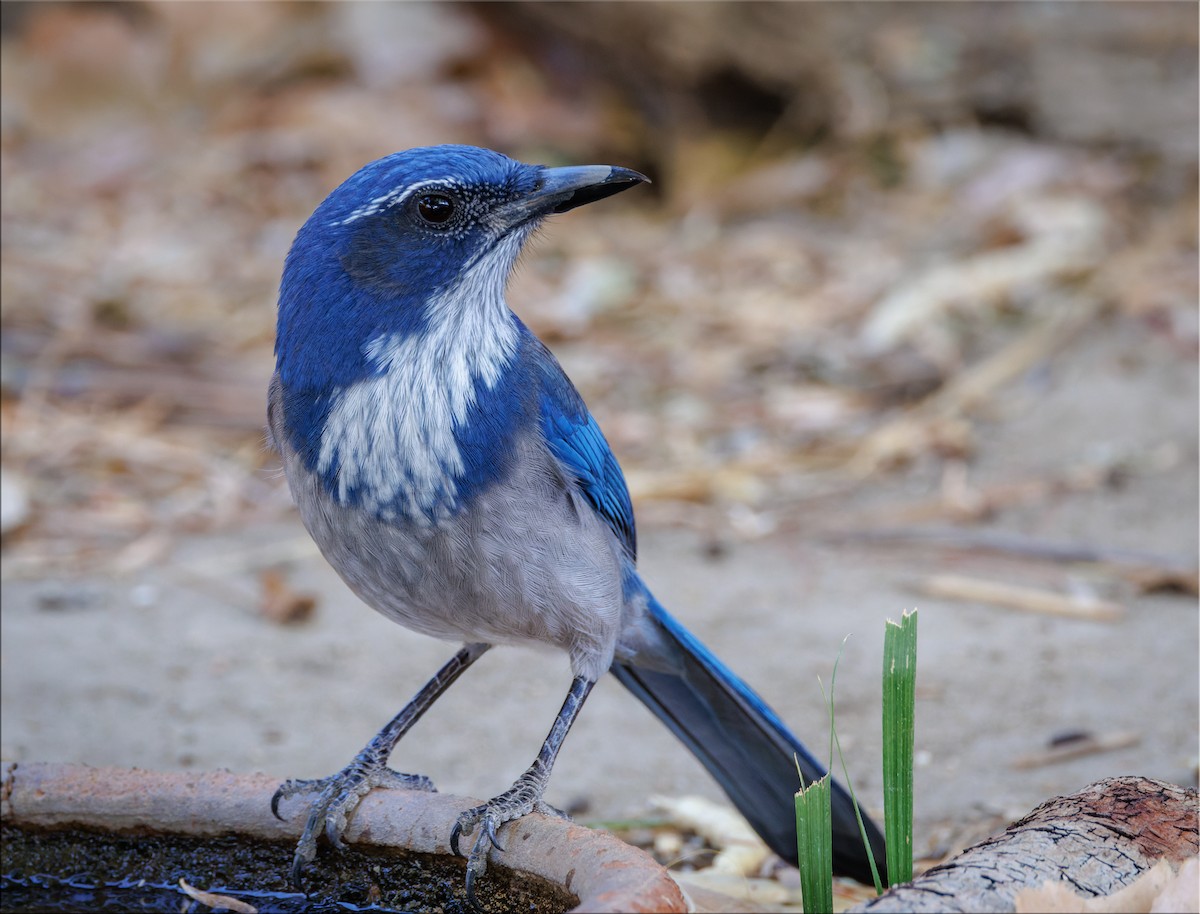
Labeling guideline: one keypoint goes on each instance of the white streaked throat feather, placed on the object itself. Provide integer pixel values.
(392, 435)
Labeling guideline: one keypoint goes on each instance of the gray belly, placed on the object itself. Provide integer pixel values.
(525, 562)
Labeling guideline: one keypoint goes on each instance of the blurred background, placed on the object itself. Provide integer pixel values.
(907, 318)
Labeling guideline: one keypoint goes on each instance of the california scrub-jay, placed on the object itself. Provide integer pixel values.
(451, 473)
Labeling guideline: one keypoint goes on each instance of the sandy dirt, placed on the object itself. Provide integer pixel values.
(176, 668)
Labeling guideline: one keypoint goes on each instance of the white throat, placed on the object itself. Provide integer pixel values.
(392, 435)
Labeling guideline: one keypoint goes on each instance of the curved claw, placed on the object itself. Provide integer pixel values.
(489, 820)
(338, 796)
(287, 789)
(477, 859)
(335, 821)
(306, 852)
(522, 798)
(457, 832)
(472, 900)
(466, 825)
(489, 830)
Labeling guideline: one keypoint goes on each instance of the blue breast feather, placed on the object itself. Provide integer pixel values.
(532, 388)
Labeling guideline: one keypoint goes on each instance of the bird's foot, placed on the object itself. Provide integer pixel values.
(337, 796)
(524, 797)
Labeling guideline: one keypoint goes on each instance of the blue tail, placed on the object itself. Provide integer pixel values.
(742, 743)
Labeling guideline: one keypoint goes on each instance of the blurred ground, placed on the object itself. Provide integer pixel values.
(837, 359)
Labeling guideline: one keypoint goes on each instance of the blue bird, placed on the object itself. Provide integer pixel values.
(450, 472)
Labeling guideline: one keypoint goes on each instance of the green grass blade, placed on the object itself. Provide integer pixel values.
(862, 828)
(899, 683)
(814, 841)
(835, 741)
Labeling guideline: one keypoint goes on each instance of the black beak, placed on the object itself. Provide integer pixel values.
(564, 189)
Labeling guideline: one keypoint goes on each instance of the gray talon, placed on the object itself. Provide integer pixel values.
(339, 795)
(489, 829)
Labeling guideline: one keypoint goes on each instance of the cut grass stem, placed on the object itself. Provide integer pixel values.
(899, 689)
(814, 837)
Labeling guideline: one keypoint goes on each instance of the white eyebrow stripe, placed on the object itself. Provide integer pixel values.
(394, 197)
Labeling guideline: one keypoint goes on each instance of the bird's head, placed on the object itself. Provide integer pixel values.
(405, 229)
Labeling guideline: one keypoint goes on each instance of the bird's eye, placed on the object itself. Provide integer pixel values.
(436, 209)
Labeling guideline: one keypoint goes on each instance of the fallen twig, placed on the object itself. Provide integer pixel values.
(1008, 543)
(1076, 748)
(1014, 596)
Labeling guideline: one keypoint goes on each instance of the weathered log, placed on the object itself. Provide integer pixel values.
(1098, 840)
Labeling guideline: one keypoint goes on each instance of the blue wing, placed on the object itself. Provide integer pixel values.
(574, 437)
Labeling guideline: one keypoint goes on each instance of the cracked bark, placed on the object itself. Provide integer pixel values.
(1098, 841)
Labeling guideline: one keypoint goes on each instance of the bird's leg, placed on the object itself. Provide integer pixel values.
(341, 792)
(525, 796)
